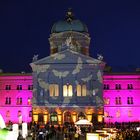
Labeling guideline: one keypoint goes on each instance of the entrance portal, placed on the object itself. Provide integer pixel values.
(40, 118)
(67, 117)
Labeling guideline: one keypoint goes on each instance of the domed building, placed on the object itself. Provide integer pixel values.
(68, 83)
(73, 29)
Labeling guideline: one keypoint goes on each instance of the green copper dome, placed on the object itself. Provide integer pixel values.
(69, 24)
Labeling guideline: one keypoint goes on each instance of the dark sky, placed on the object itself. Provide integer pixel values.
(114, 28)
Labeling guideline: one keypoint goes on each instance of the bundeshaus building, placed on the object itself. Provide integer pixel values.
(69, 85)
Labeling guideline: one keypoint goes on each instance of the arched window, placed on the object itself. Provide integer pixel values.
(54, 90)
(81, 90)
(81, 115)
(84, 90)
(67, 91)
(78, 90)
(53, 117)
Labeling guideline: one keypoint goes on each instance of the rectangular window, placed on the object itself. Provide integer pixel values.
(118, 101)
(30, 113)
(30, 87)
(19, 101)
(8, 100)
(106, 86)
(54, 90)
(129, 100)
(29, 101)
(118, 114)
(129, 86)
(8, 87)
(7, 114)
(129, 113)
(19, 87)
(118, 86)
(106, 101)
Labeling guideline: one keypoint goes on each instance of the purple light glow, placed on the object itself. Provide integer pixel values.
(123, 112)
(10, 111)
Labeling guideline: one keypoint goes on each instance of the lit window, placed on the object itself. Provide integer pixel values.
(118, 101)
(67, 90)
(30, 87)
(118, 114)
(53, 117)
(19, 87)
(106, 114)
(84, 90)
(106, 101)
(129, 100)
(129, 113)
(29, 101)
(78, 90)
(54, 90)
(81, 90)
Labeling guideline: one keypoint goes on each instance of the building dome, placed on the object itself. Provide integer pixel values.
(69, 24)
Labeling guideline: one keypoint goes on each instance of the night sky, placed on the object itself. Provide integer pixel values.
(114, 28)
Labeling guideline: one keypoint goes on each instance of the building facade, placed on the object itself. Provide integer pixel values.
(15, 97)
(121, 97)
(69, 84)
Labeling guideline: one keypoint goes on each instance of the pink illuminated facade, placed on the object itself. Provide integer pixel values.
(15, 97)
(121, 97)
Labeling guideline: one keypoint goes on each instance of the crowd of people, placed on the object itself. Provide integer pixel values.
(125, 131)
(48, 132)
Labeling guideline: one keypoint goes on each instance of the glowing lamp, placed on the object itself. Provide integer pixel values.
(92, 136)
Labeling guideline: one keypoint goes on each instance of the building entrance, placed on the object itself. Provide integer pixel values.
(67, 117)
(40, 118)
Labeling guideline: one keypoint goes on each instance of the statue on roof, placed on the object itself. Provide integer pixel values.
(35, 58)
(69, 15)
(99, 57)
